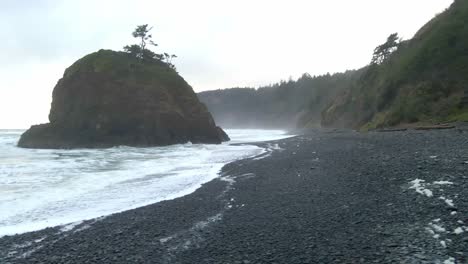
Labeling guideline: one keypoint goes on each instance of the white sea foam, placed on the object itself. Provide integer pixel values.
(419, 186)
(449, 202)
(438, 228)
(443, 183)
(458, 230)
(443, 243)
(43, 188)
(450, 260)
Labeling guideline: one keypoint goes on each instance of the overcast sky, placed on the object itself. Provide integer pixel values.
(220, 44)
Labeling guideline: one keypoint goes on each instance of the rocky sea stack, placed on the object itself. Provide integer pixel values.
(111, 98)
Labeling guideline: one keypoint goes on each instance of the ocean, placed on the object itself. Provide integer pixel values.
(45, 188)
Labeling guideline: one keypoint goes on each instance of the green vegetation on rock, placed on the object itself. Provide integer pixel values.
(125, 67)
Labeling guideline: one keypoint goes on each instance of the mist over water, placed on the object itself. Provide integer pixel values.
(42, 188)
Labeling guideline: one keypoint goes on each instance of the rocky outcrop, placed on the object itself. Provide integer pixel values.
(110, 98)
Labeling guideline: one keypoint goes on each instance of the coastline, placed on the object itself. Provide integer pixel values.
(48, 188)
(322, 197)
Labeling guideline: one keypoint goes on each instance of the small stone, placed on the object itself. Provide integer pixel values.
(420, 256)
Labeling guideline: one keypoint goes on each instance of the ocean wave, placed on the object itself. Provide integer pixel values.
(43, 188)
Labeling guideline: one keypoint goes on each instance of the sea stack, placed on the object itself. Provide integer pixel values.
(111, 98)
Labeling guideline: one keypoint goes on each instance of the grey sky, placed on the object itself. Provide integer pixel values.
(220, 44)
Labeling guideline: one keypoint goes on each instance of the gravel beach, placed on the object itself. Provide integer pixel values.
(322, 197)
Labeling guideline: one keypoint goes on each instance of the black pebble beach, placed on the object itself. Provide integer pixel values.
(321, 197)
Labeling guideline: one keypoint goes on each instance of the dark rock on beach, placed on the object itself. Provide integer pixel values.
(224, 136)
(110, 98)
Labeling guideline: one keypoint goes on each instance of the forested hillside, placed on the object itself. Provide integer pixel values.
(421, 80)
(287, 104)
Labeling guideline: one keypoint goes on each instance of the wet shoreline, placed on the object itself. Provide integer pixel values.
(323, 197)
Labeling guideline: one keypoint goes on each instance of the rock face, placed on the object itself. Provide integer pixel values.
(109, 98)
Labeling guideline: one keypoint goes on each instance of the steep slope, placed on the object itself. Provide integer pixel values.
(423, 81)
(288, 104)
(111, 98)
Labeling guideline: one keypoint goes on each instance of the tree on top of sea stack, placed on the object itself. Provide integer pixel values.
(124, 98)
(141, 51)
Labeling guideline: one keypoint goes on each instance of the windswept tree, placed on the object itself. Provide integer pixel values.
(383, 52)
(168, 59)
(141, 51)
(142, 32)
